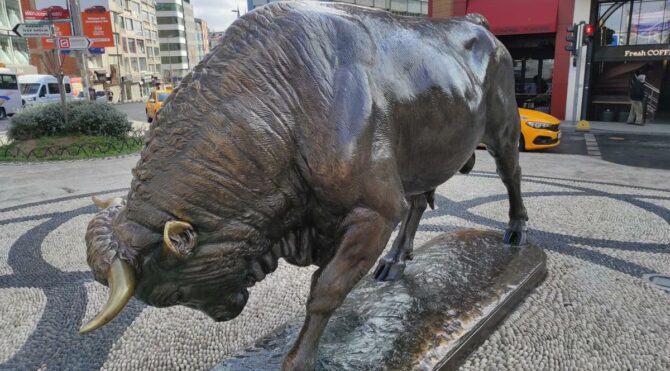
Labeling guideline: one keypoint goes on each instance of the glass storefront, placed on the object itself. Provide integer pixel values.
(639, 22)
(632, 37)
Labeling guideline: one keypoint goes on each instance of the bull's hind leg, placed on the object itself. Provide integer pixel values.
(365, 235)
(391, 266)
(506, 155)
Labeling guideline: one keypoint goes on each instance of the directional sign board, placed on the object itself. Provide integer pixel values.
(32, 30)
(73, 43)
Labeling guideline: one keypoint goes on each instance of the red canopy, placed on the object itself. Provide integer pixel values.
(514, 17)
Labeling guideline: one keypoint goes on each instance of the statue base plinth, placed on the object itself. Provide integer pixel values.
(452, 295)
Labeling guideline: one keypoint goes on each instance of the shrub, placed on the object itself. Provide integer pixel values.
(84, 117)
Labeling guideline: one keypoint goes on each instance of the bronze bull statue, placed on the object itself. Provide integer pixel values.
(308, 134)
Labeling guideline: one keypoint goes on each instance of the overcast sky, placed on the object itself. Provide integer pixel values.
(218, 13)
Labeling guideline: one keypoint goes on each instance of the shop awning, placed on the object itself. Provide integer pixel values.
(517, 17)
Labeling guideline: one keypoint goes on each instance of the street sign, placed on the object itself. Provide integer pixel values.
(32, 30)
(96, 50)
(73, 42)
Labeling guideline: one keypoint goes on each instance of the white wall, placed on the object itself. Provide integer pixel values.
(581, 13)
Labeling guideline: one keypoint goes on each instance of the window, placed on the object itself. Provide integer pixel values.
(125, 44)
(145, 16)
(8, 82)
(53, 88)
(20, 49)
(170, 33)
(146, 33)
(133, 63)
(140, 46)
(173, 60)
(167, 6)
(131, 46)
(43, 91)
(116, 39)
(143, 64)
(129, 24)
(639, 22)
(154, 35)
(134, 7)
(157, 52)
(168, 20)
(137, 26)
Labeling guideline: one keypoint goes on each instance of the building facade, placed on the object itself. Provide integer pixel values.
(124, 67)
(201, 39)
(135, 58)
(13, 49)
(631, 37)
(534, 33)
(405, 7)
(177, 37)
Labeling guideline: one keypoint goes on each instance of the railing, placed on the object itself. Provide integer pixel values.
(114, 146)
(651, 97)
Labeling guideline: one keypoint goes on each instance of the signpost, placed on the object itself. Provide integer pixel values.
(32, 30)
(73, 43)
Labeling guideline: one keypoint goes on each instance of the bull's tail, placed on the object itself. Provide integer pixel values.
(467, 167)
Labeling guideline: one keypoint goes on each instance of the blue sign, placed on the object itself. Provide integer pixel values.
(96, 50)
(65, 51)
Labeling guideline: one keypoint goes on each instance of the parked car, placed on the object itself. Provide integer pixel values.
(42, 89)
(539, 130)
(155, 102)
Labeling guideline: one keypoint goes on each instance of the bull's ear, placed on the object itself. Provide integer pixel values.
(179, 238)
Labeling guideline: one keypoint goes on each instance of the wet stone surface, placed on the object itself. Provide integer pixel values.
(456, 283)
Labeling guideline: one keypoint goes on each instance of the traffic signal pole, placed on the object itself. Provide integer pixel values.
(587, 39)
(574, 39)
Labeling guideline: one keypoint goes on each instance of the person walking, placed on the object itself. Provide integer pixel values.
(636, 115)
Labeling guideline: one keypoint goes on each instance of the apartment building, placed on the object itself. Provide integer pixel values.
(201, 39)
(177, 38)
(135, 58)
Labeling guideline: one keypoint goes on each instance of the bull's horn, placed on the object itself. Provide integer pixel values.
(121, 280)
(102, 204)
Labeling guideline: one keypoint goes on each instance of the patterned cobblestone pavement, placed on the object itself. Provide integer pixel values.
(604, 226)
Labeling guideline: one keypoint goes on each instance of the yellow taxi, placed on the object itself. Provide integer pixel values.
(156, 99)
(538, 130)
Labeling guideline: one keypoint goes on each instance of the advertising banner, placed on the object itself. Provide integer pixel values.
(47, 10)
(60, 30)
(97, 23)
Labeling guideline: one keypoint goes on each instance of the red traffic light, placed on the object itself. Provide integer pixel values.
(589, 30)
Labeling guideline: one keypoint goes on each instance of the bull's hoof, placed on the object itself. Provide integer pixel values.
(516, 234)
(388, 270)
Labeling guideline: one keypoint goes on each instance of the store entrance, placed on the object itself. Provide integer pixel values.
(533, 69)
(611, 83)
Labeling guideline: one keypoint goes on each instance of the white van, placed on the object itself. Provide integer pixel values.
(10, 96)
(42, 89)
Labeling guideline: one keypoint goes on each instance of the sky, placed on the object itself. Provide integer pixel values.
(218, 13)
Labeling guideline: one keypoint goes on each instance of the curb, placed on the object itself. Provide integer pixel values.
(127, 102)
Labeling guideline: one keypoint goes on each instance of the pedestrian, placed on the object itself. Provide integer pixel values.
(110, 95)
(91, 94)
(636, 115)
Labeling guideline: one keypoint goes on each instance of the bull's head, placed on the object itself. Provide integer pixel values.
(172, 270)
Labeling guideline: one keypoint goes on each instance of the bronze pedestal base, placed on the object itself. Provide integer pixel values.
(454, 293)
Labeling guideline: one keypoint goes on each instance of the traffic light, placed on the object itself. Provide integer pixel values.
(589, 30)
(571, 38)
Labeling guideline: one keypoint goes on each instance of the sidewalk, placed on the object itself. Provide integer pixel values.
(620, 127)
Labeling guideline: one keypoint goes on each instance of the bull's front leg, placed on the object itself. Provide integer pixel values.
(365, 235)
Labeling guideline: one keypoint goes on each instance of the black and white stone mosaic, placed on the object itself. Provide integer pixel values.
(594, 311)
